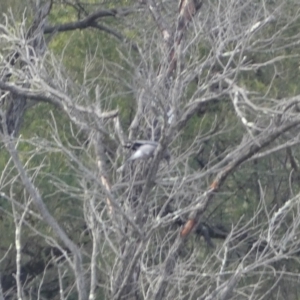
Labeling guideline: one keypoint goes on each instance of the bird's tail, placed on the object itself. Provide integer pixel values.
(119, 170)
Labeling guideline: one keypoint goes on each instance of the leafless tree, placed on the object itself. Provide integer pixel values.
(190, 73)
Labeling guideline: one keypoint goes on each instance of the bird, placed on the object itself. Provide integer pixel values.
(143, 150)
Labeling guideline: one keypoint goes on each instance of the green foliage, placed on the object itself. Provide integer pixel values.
(94, 58)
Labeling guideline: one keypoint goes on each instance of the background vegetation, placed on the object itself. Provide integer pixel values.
(214, 82)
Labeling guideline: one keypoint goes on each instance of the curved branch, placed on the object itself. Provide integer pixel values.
(48, 218)
(62, 101)
(90, 20)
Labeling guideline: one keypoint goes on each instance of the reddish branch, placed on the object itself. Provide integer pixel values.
(173, 37)
(245, 152)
